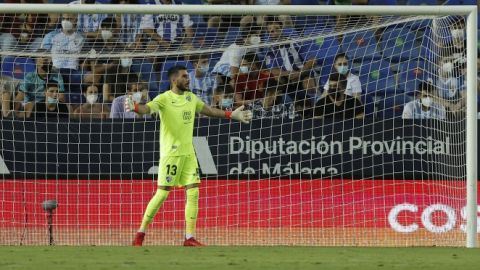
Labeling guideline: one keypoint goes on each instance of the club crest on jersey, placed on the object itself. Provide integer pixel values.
(169, 179)
(188, 98)
(187, 115)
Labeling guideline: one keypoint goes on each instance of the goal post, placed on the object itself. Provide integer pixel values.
(471, 147)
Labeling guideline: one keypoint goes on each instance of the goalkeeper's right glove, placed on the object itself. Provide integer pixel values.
(130, 105)
(240, 115)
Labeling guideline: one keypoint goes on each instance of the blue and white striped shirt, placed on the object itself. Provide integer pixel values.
(62, 46)
(203, 87)
(287, 57)
(130, 27)
(167, 26)
(88, 23)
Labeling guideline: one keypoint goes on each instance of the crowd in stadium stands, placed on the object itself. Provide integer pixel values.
(282, 79)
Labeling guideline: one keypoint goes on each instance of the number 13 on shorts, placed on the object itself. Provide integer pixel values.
(178, 171)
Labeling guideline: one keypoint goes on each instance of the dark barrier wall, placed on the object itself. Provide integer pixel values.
(278, 148)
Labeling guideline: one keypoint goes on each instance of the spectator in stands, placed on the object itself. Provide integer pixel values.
(451, 88)
(95, 69)
(228, 66)
(93, 108)
(458, 43)
(8, 88)
(287, 61)
(139, 94)
(251, 81)
(223, 97)
(51, 107)
(10, 29)
(202, 82)
(129, 24)
(271, 105)
(337, 104)
(424, 106)
(354, 86)
(167, 30)
(66, 47)
(88, 24)
(116, 82)
(34, 29)
(32, 88)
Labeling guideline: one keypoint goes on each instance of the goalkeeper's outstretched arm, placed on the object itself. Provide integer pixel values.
(239, 114)
(131, 106)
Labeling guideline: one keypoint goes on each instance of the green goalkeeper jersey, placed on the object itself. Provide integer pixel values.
(177, 116)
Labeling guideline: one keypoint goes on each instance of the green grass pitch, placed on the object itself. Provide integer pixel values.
(213, 258)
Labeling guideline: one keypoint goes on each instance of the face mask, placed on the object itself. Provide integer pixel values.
(244, 69)
(255, 40)
(51, 100)
(92, 99)
(126, 62)
(204, 69)
(447, 67)
(67, 25)
(106, 35)
(458, 34)
(137, 97)
(342, 69)
(426, 101)
(227, 103)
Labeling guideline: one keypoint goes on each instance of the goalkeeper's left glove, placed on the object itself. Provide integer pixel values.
(240, 115)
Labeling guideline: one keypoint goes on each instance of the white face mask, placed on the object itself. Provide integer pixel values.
(203, 69)
(106, 35)
(67, 25)
(244, 69)
(92, 98)
(447, 67)
(255, 40)
(126, 62)
(427, 101)
(458, 34)
(137, 97)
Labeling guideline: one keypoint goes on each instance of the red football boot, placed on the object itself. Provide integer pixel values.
(138, 241)
(192, 242)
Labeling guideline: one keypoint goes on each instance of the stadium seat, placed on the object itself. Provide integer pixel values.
(460, 2)
(422, 2)
(369, 105)
(377, 77)
(164, 82)
(391, 106)
(360, 46)
(399, 44)
(17, 67)
(412, 72)
(323, 50)
(148, 74)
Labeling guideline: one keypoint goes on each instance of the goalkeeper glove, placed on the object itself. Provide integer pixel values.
(240, 115)
(130, 105)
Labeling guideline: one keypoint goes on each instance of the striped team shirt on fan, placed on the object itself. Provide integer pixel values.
(168, 26)
(130, 27)
(287, 57)
(203, 87)
(87, 23)
(177, 118)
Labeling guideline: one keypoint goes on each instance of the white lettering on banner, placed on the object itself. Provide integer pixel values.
(392, 218)
(255, 148)
(287, 169)
(3, 167)
(399, 146)
(426, 218)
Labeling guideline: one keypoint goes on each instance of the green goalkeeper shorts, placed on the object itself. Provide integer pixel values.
(178, 171)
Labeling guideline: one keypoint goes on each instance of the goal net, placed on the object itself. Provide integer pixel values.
(358, 137)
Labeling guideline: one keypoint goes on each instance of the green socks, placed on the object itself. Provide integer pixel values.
(191, 211)
(152, 208)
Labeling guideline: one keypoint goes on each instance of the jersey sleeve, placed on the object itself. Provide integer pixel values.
(199, 104)
(157, 103)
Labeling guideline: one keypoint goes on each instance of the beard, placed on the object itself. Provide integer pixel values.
(182, 87)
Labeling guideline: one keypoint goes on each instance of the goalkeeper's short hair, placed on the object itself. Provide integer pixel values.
(174, 71)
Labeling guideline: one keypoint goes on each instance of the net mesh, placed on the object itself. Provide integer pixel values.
(327, 160)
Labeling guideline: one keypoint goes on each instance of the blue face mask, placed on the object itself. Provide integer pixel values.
(51, 100)
(227, 103)
(342, 70)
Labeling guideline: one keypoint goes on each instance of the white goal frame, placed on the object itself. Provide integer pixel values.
(471, 28)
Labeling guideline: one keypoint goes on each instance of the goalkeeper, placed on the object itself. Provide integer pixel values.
(178, 164)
